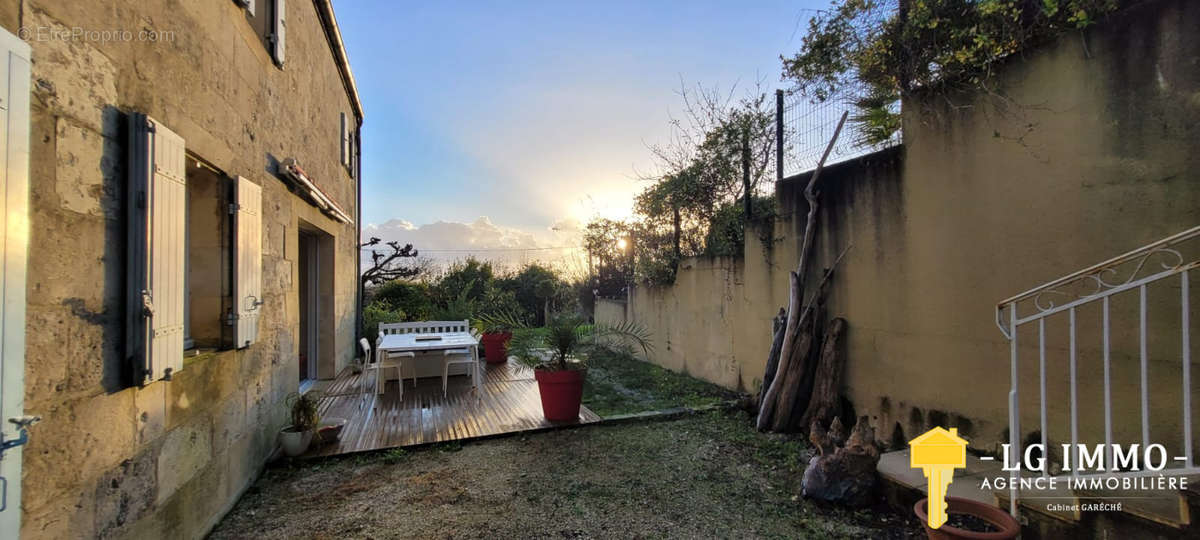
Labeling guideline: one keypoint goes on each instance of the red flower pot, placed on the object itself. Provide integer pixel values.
(495, 346)
(561, 391)
(1006, 527)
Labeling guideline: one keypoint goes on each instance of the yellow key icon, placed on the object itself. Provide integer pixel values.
(938, 452)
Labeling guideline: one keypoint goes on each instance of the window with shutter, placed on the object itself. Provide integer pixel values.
(247, 284)
(209, 259)
(279, 34)
(269, 21)
(157, 238)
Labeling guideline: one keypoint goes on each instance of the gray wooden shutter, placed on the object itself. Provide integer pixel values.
(345, 140)
(14, 229)
(247, 287)
(157, 234)
(279, 33)
(354, 153)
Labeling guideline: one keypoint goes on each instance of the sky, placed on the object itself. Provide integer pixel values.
(499, 128)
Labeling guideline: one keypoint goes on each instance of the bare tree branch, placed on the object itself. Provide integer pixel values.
(386, 265)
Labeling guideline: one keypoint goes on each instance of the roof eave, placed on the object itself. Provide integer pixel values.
(334, 36)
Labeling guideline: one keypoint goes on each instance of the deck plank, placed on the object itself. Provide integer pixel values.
(507, 401)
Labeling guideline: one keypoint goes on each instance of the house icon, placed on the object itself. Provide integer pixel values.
(940, 447)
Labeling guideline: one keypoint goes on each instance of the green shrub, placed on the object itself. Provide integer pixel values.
(413, 298)
(378, 312)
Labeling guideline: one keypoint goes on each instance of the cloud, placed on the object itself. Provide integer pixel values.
(443, 242)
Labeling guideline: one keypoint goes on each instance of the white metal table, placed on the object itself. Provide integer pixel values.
(435, 341)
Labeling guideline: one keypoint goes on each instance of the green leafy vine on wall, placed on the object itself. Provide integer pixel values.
(891, 47)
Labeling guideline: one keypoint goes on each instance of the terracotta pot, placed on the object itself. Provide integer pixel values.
(495, 346)
(330, 430)
(561, 391)
(294, 443)
(1006, 526)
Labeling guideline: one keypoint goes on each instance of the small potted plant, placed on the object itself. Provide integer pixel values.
(296, 437)
(558, 355)
(496, 330)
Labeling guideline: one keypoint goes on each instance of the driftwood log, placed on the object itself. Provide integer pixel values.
(824, 402)
(798, 405)
(794, 348)
(792, 383)
(773, 356)
(794, 378)
(844, 472)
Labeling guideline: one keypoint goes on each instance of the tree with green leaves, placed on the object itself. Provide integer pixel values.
(721, 152)
(891, 47)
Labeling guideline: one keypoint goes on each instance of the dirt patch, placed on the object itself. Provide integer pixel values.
(704, 476)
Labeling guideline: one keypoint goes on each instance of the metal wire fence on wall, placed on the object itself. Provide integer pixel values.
(808, 125)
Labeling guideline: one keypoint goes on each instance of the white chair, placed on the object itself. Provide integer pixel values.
(365, 346)
(384, 361)
(458, 356)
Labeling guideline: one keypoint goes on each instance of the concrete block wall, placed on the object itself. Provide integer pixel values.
(168, 459)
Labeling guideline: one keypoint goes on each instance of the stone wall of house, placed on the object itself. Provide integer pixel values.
(166, 460)
(1092, 151)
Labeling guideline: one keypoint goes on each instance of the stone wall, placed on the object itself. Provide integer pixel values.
(166, 460)
(1091, 152)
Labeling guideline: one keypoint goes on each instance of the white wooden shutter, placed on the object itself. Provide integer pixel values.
(249, 6)
(157, 236)
(14, 229)
(279, 34)
(345, 140)
(247, 287)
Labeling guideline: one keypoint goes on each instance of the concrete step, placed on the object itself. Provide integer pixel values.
(895, 467)
(1060, 503)
(1166, 507)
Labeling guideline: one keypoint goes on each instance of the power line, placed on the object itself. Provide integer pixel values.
(469, 250)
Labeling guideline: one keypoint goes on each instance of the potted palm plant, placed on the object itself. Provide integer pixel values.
(558, 355)
(305, 417)
(496, 331)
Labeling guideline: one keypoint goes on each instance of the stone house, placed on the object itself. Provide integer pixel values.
(185, 176)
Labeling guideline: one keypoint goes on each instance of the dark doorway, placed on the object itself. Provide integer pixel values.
(315, 269)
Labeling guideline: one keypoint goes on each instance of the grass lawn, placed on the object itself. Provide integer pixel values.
(708, 475)
(618, 383)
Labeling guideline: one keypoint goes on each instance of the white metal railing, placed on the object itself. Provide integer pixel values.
(1132, 271)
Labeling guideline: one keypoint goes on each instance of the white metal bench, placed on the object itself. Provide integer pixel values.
(424, 327)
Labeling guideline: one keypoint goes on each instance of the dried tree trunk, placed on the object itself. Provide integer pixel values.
(773, 356)
(793, 378)
(767, 407)
(824, 402)
(804, 389)
(843, 473)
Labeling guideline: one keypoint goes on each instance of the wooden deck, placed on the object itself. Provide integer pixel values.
(507, 402)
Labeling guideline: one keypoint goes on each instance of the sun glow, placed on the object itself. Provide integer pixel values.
(621, 244)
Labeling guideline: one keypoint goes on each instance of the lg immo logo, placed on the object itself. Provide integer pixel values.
(1094, 467)
(939, 452)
